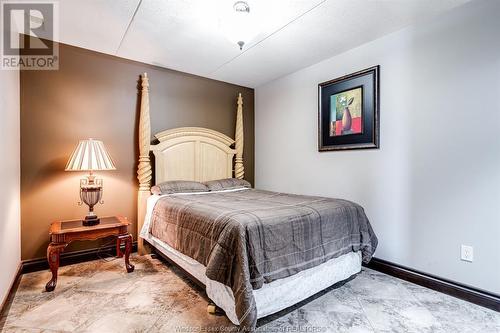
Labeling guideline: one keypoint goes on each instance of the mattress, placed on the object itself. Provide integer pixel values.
(292, 289)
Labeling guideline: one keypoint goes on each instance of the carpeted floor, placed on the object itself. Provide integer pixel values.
(99, 296)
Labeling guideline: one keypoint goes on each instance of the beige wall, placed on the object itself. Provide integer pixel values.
(96, 95)
(10, 241)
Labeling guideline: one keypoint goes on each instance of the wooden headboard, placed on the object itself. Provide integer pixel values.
(185, 153)
(193, 153)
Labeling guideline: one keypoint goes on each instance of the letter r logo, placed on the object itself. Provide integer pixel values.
(35, 24)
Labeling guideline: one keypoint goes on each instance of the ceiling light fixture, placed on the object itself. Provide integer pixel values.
(240, 27)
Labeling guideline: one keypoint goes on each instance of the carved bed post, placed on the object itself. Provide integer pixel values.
(239, 170)
(144, 169)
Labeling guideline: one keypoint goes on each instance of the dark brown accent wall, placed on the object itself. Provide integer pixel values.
(93, 95)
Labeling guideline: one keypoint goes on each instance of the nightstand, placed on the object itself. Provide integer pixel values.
(64, 232)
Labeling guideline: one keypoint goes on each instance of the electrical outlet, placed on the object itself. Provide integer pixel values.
(467, 253)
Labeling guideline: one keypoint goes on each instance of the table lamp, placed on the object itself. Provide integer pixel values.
(90, 155)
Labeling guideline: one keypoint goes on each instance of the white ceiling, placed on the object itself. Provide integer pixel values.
(185, 35)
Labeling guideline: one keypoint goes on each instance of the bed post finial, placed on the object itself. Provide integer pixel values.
(239, 169)
(144, 173)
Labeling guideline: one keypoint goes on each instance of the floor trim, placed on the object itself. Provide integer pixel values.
(452, 288)
(69, 258)
(12, 289)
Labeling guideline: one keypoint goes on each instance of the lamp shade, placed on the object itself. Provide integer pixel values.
(90, 155)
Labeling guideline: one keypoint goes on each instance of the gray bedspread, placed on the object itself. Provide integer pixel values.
(251, 237)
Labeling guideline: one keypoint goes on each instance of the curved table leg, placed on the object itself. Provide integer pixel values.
(128, 249)
(53, 255)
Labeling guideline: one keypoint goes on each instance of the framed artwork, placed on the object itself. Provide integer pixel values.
(348, 116)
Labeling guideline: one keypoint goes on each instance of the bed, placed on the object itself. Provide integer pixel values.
(237, 242)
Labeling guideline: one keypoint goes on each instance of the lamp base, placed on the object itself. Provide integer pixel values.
(90, 221)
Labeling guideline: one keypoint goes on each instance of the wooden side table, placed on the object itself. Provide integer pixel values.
(64, 232)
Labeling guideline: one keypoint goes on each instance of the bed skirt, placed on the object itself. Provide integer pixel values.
(293, 289)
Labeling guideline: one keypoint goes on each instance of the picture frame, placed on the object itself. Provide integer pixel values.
(349, 111)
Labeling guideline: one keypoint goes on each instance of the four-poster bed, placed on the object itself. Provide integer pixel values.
(256, 252)
(186, 153)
